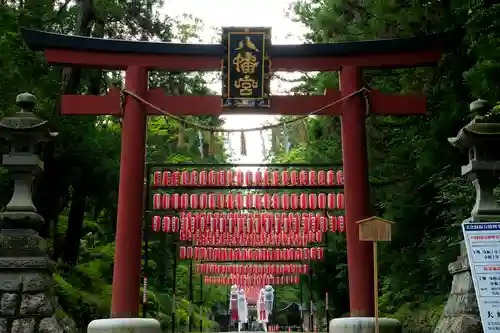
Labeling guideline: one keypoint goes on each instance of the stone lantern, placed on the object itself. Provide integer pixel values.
(24, 130)
(481, 137)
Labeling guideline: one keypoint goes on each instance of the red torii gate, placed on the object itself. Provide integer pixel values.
(137, 58)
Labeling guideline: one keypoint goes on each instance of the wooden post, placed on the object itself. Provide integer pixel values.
(375, 229)
(375, 285)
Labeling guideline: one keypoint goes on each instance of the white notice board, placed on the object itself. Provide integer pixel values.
(483, 249)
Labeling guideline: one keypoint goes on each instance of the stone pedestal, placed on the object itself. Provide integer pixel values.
(27, 300)
(364, 325)
(461, 313)
(125, 325)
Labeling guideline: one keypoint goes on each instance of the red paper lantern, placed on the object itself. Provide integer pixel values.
(184, 201)
(323, 224)
(157, 201)
(221, 200)
(249, 224)
(303, 201)
(331, 200)
(333, 223)
(257, 179)
(275, 178)
(312, 201)
(156, 223)
(322, 201)
(212, 178)
(157, 178)
(165, 178)
(193, 201)
(189, 252)
(321, 177)
(320, 253)
(182, 252)
(239, 201)
(275, 201)
(248, 178)
(175, 224)
(340, 177)
(203, 178)
(211, 201)
(239, 177)
(267, 201)
(293, 178)
(176, 178)
(265, 177)
(196, 253)
(313, 253)
(294, 201)
(176, 201)
(284, 178)
(229, 177)
(341, 223)
(230, 201)
(184, 178)
(340, 200)
(222, 178)
(166, 201)
(330, 177)
(248, 202)
(166, 224)
(312, 177)
(268, 224)
(194, 177)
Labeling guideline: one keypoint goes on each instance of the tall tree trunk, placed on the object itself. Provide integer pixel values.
(51, 190)
(75, 222)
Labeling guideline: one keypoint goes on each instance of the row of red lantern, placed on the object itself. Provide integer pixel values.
(248, 178)
(256, 222)
(250, 240)
(253, 280)
(273, 269)
(277, 224)
(250, 254)
(285, 201)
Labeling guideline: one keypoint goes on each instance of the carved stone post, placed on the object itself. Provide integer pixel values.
(27, 302)
(481, 138)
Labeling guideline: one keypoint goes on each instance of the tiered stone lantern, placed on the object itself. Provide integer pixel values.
(27, 301)
(481, 138)
(24, 131)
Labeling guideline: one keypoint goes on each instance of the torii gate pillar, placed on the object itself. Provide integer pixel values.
(126, 298)
(356, 194)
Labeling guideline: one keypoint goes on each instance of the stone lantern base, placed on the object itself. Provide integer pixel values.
(27, 300)
(364, 325)
(125, 325)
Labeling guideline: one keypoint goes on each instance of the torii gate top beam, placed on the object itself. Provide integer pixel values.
(120, 54)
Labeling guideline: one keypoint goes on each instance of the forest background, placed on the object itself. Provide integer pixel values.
(414, 172)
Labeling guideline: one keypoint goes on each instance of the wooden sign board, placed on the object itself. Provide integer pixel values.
(246, 67)
(375, 229)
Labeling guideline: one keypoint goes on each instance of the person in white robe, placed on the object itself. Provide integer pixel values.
(261, 310)
(233, 303)
(242, 309)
